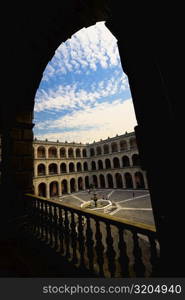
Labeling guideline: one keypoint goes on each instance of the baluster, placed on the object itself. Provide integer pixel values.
(42, 219)
(110, 251)
(34, 217)
(153, 254)
(66, 234)
(46, 221)
(38, 218)
(89, 244)
(55, 217)
(81, 240)
(139, 267)
(73, 238)
(50, 225)
(99, 248)
(123, 258)
(61, 231)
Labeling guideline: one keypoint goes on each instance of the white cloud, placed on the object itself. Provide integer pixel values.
(94, 123)
(86, 49)
(71, 96)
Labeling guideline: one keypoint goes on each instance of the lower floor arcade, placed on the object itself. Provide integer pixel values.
(53, 186)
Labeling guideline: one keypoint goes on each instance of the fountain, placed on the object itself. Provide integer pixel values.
(97, 204)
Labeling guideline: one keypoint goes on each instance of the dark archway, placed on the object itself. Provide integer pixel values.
(72, 185)
(110, 181)
(41, 152)
(41, 170)
(78, 153)
(71, 167)
(116, 162)
(139, 180)
(106, 149)
(85, 166)
(87, 182)
(62, 152)
(84, 152)
(102, 181)
(98, 150)
(53, 169)
(92, 152)
(123, 145)
(52, 152)
(119, 181)
(70, 153)
(93, 165)
(125, 161)
(53, 189)
(42, 189)
(107, 163)
(64, 186)
(128, 181)
(100, 165)
(133, 144)
(79, 167)
(80, 183)
(114, 147)
(63, 168)
(95, 181)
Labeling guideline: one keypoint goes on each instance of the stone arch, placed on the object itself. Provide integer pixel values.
(98, 150)
(72, 185)
(102, 181)
(133, 143)
(136, 160)
(85, 165)
(79, 167)
(62, 152)
(87, 182)
(71, 167)
(41, 152)
(116, 162)
(80, 183)
(110, 181)
(128, 181)
(139, 180)
(70, 152)
(52, 152)
(123, 145)
(93, 165)
(64, 185)
(106, 149)
(92, 152)
(42, 189)
(53, 169)
(119, 181)
(100, 165)
(107, 163)
(84, 153)
(78, 152)
(63, 168)
(53, 188)
(125, 161)
(41, 170)
(95, 181)
(114, 147)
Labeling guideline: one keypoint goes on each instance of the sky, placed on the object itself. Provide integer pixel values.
(84, 96)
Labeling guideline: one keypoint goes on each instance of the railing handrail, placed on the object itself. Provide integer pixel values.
(131, 225)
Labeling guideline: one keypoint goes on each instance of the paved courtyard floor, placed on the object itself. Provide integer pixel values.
(134, 205)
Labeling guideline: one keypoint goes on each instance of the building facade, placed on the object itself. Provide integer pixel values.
(64, 168)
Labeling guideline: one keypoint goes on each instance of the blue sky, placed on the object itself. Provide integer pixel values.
(84, 95)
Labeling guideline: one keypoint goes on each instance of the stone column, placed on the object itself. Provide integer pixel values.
(58, 152)
(47, 169)
(114, 181)
(76, 185)
(35, 170)
(134, 181)
(47, 153)
(123, 180)
(68, 187)
(106, 182)
(35, 152)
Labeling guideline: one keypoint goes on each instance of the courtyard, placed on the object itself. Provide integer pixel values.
(134, 205)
